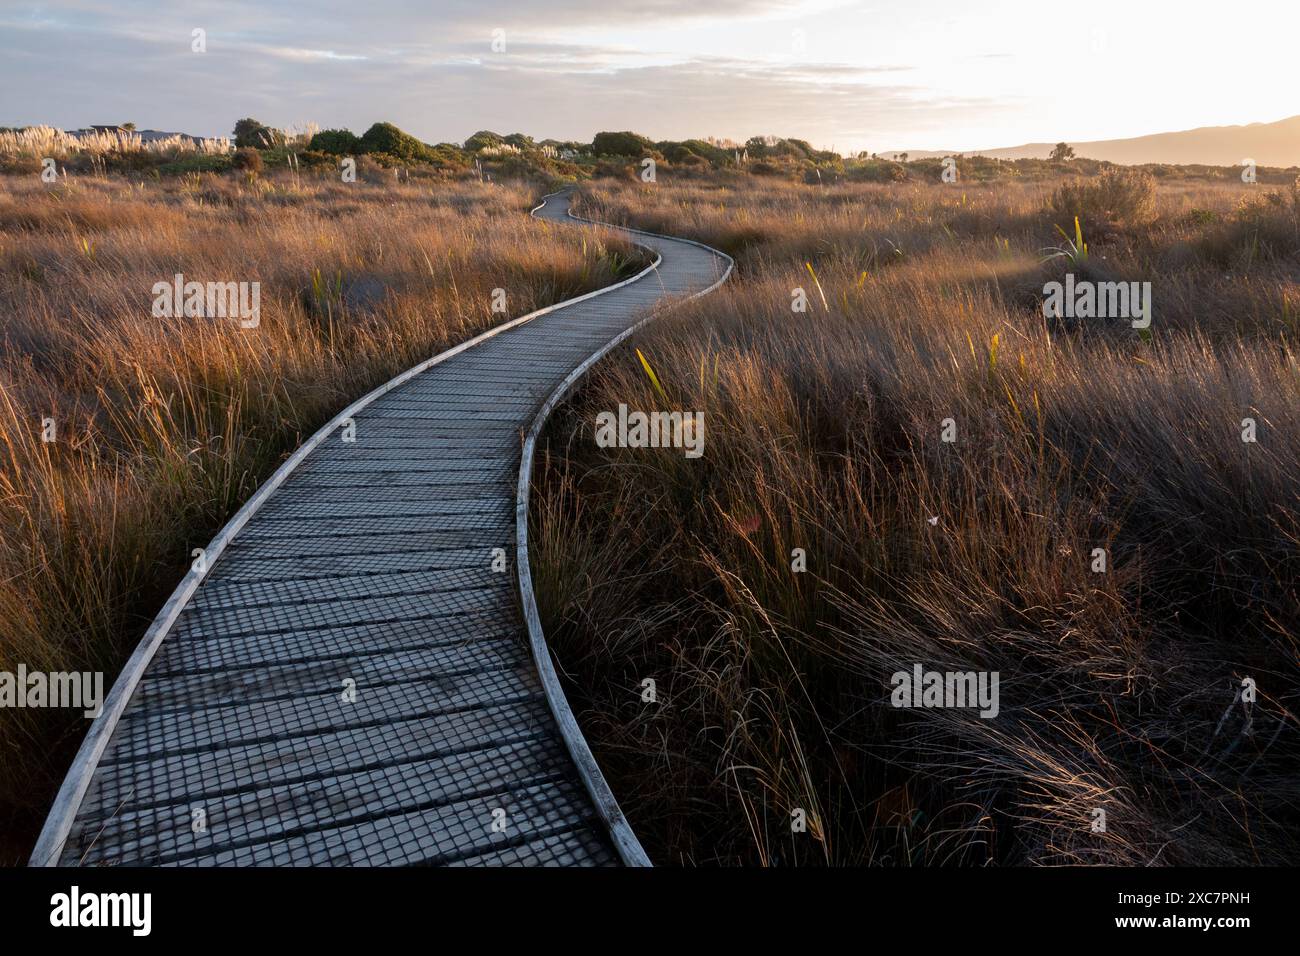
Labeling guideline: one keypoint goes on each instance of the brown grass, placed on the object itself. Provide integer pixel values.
(1119, 690)
(165, 426)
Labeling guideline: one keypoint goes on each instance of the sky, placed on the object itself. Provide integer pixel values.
(844, 74)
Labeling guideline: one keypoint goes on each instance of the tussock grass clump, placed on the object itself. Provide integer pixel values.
(1120, 690)
(1117, 197)
(247, 160)
(1263, 227)
(166, 426)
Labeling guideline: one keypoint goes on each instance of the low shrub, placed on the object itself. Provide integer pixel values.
(877, 171)
(1118, 197)
(198, 163)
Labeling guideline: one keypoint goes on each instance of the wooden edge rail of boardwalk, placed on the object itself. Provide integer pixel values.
(341, 680)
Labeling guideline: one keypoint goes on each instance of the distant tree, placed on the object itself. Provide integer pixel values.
(256, 135)
(246, 131)
(1062, 152)
(129, 127)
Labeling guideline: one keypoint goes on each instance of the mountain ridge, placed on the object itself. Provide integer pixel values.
(1275, 143)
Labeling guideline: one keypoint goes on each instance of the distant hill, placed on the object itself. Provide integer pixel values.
(1268, 144)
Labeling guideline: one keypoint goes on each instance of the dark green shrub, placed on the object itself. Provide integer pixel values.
(278, 157)
(482, 139)
(678, 152)
(255, 135)
(621, 144)
(448, 156)
(714, 154)
(310, 158)
(387, 138)
(337, 142)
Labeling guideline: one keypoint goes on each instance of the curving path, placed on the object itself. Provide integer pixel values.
(349, 682)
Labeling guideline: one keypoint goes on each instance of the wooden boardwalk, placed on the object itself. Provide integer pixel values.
(348, 681)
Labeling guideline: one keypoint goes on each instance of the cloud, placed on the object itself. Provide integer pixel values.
(379, 21)
(668, 68)
(293, 53)
(338, 62)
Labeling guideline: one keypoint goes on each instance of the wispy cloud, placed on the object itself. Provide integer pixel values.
(295, 53)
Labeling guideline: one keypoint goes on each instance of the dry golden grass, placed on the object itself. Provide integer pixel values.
(165, 426)
(1118, 690)
(41, 142)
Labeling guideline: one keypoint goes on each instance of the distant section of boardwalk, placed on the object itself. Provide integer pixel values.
(349, 681)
